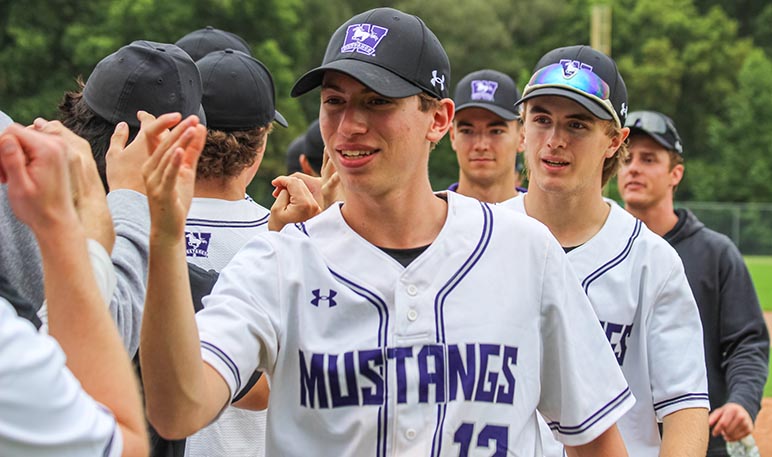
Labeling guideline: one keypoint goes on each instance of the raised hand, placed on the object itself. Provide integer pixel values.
(169, 176)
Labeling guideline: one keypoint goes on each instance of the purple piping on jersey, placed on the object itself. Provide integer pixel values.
(592, 420)
(383, 327)
(220, 354)
(228, 224)
(680, 399)
(109, 446)
(616, 260)
(302, 227)
(439, 311)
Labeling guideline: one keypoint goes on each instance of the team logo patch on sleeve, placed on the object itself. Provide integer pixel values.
(484, 90)
(363, 38)
(197, 244)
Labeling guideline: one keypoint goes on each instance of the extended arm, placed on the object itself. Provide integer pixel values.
(685, 433)
(35, 167)
(182, 393)
(607, 444)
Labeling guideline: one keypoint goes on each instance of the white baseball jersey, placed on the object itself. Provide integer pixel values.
(216, 229)
(449, 356)
(44, 411)
(637, 286)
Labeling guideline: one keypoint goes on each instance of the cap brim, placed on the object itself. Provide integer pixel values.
(495, 109)
(280, 119)
(591, 105)
(656, 137)
(374, 77)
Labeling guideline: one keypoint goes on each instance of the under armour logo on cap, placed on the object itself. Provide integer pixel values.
(438, 80)
(363, 38)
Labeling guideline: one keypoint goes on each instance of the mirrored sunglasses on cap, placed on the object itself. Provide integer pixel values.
(583, 81)
(658, 126)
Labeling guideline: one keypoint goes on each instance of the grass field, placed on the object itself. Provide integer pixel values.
(761, 271)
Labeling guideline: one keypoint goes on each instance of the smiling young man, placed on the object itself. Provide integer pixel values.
(486, 136)
(369, 319)
(574, 107)
(735, 334)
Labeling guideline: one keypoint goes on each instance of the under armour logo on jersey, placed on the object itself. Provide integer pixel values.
(197, 244)
(571, 67)
(318, 297)
(438, 80)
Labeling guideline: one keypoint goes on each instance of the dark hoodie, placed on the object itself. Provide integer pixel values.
(735, 334)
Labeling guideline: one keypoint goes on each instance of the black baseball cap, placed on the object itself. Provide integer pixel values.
(658, 126)
(488, 89)
(201, 42)
(584, 75)
(294, 150)
(238, 91)
(155, 77)
(393, 53)
(314, 145)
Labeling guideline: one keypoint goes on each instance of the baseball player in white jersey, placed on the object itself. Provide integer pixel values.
(239, 105)
(396, 323)
(486, 136)
(574, 110)
(89, 406)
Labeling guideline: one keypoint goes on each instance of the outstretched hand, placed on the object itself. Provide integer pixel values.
(124, 161)
(34, 165)
(169, 177)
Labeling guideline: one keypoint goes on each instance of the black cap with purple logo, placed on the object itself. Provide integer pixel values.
(155, 77)
(584, 75)
(488, 89)
(393, 53)
(209, 39)
(238, 92)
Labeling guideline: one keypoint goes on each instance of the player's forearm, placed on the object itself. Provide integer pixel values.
(685, 433)
(170, 354)
(608, 444)
(82, 325)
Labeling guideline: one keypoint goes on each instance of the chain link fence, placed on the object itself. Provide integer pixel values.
(749, 225)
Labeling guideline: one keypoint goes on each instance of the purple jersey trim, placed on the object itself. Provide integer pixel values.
(680, 399)
(220, 354)
(604, 411)
(439, 309)
(231, 224)
(616, 260)
(383, 327)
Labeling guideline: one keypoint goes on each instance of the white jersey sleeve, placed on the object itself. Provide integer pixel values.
(583, 390)
(43, 408)
(678, 378)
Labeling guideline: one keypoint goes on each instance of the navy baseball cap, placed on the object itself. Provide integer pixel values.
(658, 126)
(155, 77)
(238, 91)
(488, 89)
(391, 52)
(314, 146)
(583, 75)
(201, 42)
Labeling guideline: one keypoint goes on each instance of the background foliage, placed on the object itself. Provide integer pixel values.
(704, 62)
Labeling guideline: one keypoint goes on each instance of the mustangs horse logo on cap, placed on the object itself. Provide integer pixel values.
(484, 90)
(363, 38)
(571, 67)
